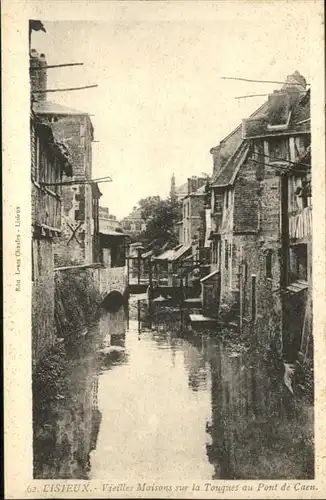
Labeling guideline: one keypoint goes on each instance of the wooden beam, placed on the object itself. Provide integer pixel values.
(63, 90)
(259, 81)
(50, 66)
(252, 95)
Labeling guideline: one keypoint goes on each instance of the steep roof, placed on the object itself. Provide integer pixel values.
(230, 144)
(227, 175)
(183, 189)
(52, 108)
(60, 150)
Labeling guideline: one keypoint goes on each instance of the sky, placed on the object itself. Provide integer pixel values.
(161, 104)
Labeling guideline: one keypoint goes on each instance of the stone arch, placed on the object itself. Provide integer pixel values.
(113, 300)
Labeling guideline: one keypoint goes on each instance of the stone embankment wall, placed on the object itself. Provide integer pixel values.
(66, 417)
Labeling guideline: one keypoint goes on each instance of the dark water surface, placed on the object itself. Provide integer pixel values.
(175, 405)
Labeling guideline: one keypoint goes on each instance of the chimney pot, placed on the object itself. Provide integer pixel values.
(38, 77)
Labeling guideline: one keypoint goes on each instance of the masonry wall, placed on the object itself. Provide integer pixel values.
(255, 249)
(267, 324)
(43, 328)
(193, 222)
(75, 243)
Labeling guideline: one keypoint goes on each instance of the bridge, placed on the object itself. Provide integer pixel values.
(106, 280)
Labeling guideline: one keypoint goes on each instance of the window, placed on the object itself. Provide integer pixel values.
(278, 149)
(258, 156)
(268, 263)
(245, 272)
(218, 203)
(219, 252)
(226, 199)
(298, 198)
(253, 297)
(298, 269)
(226, 254)
(138, 226)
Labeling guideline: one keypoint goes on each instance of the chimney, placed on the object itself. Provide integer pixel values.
(38, 75)
(216, 153)
(191, 184)
(295, 82)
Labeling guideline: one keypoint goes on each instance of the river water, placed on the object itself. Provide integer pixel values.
(178, 405)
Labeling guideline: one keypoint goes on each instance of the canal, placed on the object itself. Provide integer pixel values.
(175, 405)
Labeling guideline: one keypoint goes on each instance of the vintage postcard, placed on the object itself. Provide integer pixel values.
(164, 249)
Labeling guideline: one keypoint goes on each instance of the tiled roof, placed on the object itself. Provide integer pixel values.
(230, 169)
(174, 254)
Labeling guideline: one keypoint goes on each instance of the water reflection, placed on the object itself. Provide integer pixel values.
(153, 422)
(257, 429)
(177, 405)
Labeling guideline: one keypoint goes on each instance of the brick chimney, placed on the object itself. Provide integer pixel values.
(194, 183)
(295, 82)
(38, 75)
(216, 154)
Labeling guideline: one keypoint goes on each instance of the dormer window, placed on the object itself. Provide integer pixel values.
(218, 203)
(279, 112)
(278, 150)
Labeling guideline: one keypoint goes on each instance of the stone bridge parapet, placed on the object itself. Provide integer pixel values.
(105, 279)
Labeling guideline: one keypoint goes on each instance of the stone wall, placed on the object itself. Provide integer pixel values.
(267, 325)
(75, 245)
(42, 297)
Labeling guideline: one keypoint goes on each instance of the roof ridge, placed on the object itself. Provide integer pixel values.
(236, 155)
(60, 107)
(229, 160)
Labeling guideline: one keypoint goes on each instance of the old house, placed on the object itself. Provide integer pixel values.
(134, 222)
(274, 269)
(50, 161)
(280, 140)
(113, 248)
(298, 279)
(218, 223)
(192, 213)
(107, 221)
(248, 214)
(74, 128)
(112, 239)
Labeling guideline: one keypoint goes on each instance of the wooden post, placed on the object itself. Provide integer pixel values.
(150, 278)
(138, 316)
(284, 231)
(138, 264)
(241, 290)
(253, 303)
(128, 271)
(284, 223)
